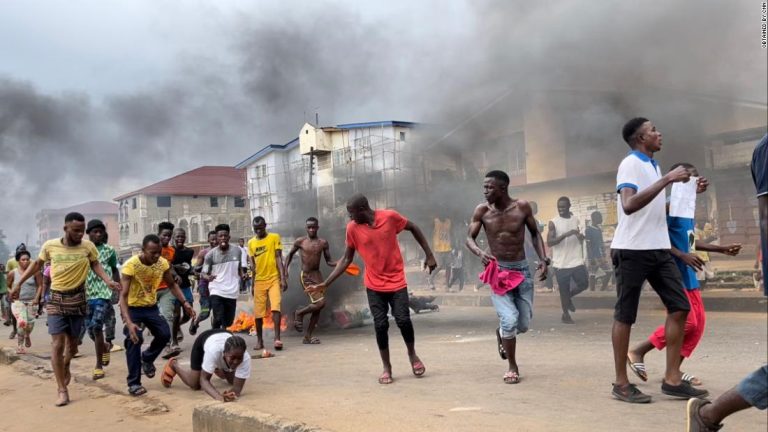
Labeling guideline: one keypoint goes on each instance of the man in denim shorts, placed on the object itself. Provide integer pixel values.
(505, 220)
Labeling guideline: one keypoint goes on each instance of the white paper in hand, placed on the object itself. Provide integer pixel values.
(682, 201)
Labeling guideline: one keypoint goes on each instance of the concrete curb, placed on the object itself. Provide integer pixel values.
(221, 417)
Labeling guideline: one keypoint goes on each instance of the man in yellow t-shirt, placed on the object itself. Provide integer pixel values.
(71, 259)
(441, 245)
(266, 252)
(140, 279)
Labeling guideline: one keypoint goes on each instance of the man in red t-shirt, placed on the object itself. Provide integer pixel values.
(373, 233)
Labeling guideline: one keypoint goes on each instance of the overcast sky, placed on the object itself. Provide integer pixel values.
(99, 98)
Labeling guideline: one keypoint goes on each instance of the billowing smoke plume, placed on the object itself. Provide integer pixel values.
(419, 63)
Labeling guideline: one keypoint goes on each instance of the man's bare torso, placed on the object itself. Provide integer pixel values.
(505, 230)
(311, 253)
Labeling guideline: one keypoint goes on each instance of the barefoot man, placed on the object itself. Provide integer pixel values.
(71, 259)
(312, 248)
(373, 233)
(505, 220)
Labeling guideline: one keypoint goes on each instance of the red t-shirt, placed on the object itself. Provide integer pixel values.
(168, 253)
(377, 244)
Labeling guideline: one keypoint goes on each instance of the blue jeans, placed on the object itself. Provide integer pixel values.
(98, 310)
(515, 307)
(754, 388)
(158, 327)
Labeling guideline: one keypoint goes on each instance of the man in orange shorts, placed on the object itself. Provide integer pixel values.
(269, 281)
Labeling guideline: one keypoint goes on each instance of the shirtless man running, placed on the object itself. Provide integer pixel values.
(312, 248)
(505, 220)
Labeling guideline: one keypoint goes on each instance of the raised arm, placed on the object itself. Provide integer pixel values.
(474, 230)
(552, 237)
(419, 236)
(633, 201)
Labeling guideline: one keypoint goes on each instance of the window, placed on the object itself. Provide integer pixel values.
(265, 200)
(214, 201)
(239, 202)
(164, 201)
(135, 228)
(261, 171)
(402, 136)
(133, 203)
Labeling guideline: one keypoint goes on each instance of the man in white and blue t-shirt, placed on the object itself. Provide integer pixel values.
(641, 251)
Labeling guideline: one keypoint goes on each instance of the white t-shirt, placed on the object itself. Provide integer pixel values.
(646, 229)
(569, 253)
(213, 357)
(226, 267)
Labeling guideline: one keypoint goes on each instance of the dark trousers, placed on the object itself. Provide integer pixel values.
(223, 310)
(380, 303)
(457, 274)
(161, 334)
(564, 276)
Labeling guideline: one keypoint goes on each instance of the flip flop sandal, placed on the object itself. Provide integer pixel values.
(27, 342)
(502, 353)
(106, 358)
(166, 378)
(171, 353)
(639, 369)
(149, 369)
(386, 378)
(21, 350)
(278, 345)
(691, 379)
(311, 341)
(137, 390)
(98, 374)
(511, 377)
(418, 368)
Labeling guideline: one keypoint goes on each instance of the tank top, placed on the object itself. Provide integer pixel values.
(568, 253)
(28, 288)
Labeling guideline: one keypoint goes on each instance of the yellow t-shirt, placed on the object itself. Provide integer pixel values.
(263, 252)
(144, 280)
(441, 239)
(69, 264)
(11, 265)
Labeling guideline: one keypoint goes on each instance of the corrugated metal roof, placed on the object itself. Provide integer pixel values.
(267, 150)
(377, 124)
(205, 181)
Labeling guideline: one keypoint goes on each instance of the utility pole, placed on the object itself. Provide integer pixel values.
(311, 165)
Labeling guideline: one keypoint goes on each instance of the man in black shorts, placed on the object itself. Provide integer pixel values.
(640, 252)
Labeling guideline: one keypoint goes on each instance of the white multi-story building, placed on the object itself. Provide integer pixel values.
(314, 174)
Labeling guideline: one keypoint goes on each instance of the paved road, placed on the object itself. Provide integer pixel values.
(567, 371)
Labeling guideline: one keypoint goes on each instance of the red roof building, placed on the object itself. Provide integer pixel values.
(196, 201)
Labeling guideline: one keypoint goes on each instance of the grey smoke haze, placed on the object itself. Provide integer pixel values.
(435, 62)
